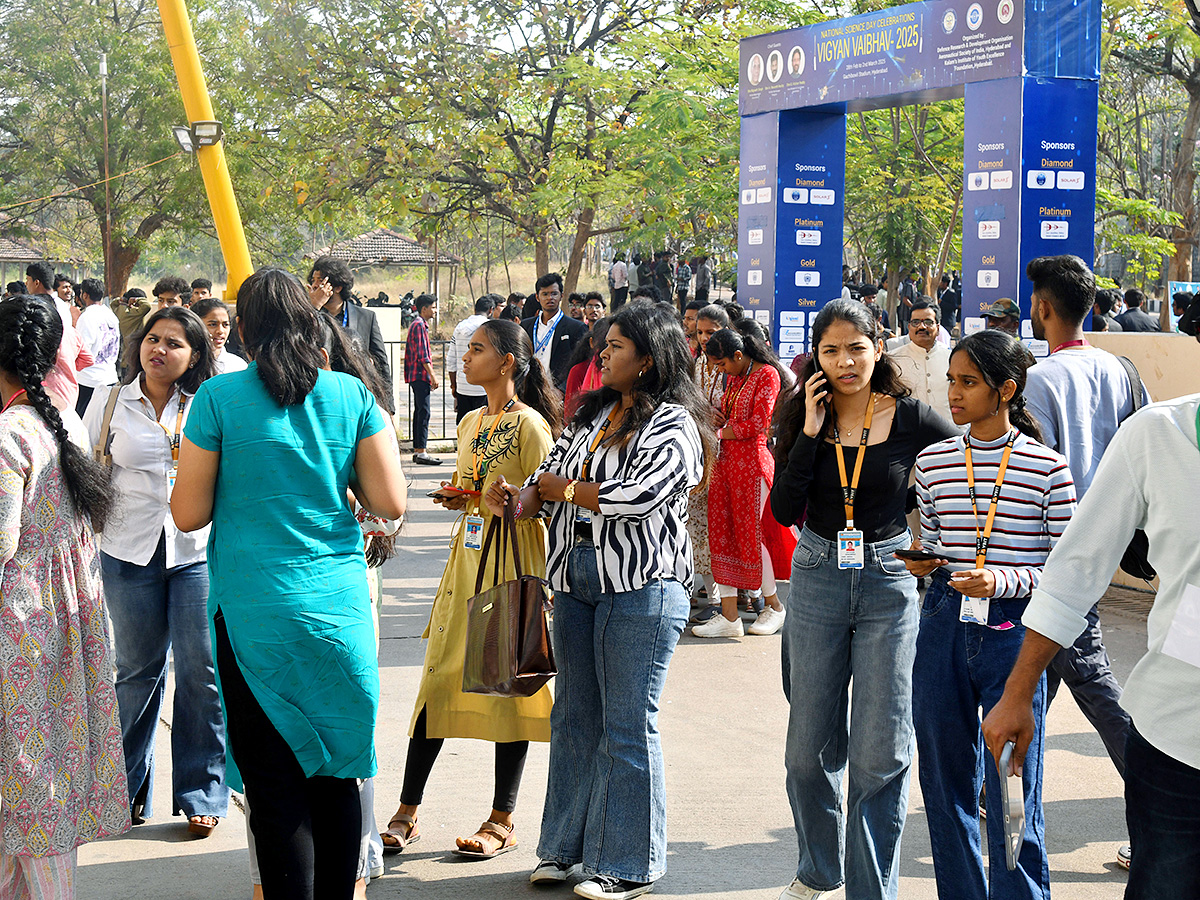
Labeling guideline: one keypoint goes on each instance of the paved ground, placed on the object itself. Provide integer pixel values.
(722, 720)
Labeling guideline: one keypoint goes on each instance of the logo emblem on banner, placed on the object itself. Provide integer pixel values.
(989, 231)
(974, 16)
(1070, 181)
(988, 278)
(1004, 12)
(949, 20)
(795, 195)
(978, 181)
(808, 279)
(1054, 231)
(1039, 180)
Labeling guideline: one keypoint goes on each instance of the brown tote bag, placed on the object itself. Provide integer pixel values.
(508, 651)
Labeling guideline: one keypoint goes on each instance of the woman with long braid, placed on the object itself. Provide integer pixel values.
(60, 738)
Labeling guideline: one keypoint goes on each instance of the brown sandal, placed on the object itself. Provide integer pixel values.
(410, 835)
(504, 833)
(197, 825)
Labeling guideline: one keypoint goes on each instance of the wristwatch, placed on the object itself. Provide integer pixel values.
(569, 491)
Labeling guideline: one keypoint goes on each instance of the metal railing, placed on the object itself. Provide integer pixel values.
(442, 423)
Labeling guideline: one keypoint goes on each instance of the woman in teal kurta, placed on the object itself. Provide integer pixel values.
(269, 455)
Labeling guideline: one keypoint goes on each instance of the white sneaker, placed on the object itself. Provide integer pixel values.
(798, 890)
(719, 627)
(769, 621)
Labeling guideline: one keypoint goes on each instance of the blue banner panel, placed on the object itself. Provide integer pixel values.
(1066, 40)
(905, 54)
(1058, 200)
(811, 210)
(991, 194)
(756, 212)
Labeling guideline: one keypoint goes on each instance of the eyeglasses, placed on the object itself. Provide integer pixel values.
(922, 324)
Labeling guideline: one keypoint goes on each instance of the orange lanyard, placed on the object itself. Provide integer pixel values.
(728, 402)
(173, 438)
(478, 469)
(587, 461)
(983, 538)
(850, 488)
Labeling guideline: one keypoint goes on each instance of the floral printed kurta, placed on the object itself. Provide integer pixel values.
(63, 771)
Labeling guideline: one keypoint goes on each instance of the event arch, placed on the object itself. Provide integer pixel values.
(1029, 73)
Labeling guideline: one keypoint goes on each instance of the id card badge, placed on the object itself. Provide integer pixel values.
(850, 549)
(473, 538)
(974, 610)
(583, 516)
(171, 481)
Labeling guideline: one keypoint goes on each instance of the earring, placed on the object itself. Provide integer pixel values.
(641, 372)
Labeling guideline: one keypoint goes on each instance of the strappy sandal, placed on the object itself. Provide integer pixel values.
(410, 835)
(197, 825)
(504, 833)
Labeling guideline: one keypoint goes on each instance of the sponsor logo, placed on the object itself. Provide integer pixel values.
(764, 195)
(808, 238)
(1071, 181)
(1054, 231)
(748, 196)
(795, 195)
(974, 16)
(792, 350)
(822, 197)
(1039, 179)
(763, 316)
(1002, 180)
(976, 181)
(754, 236)
(989, 231)
(1004, 12)
(988, 278)
(792, 334)
(808, 279)
(754, 277)
(791, 318)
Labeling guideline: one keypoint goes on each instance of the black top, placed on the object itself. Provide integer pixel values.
(1137, 319)
(811, 477)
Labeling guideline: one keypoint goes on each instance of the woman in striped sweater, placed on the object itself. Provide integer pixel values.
(993, 502)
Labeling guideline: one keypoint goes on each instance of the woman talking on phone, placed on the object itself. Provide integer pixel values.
(847, 442)
(506, 439)
(993, 503)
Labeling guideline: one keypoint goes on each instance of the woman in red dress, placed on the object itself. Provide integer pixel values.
(748, 547)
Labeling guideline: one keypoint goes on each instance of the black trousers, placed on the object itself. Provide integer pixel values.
(464, 403)
(420, 413)
(306, 830)
(423, 753)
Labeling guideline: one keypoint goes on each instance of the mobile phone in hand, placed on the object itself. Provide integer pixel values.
(918, 555)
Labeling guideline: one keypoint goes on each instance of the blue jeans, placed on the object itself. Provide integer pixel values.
(961, 667)
(843, 624)
(155, 609)
(420, 414)
(605, 797)
(1162, 810)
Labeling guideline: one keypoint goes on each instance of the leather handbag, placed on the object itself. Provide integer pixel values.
(508, 652)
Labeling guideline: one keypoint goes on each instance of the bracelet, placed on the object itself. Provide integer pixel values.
(517, 512)
(569, 490)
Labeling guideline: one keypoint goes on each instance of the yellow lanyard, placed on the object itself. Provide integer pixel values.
(173, 438)
(478, 470)
(728, 402)
(587, 461)
(850, 488)
(983, 538)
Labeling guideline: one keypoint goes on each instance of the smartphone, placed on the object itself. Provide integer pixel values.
(445, 493)
(1012, 798)
(918, 555)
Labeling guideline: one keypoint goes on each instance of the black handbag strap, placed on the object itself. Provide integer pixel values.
(506, 525)
(1135, 381)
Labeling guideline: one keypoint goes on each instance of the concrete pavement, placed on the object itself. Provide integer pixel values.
(723, 722)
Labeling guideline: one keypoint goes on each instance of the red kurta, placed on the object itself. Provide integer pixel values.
(737, 524)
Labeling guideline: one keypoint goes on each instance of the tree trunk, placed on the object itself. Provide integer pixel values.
(541, 253)
(122, 258)
(1183, 186)
(583, 231)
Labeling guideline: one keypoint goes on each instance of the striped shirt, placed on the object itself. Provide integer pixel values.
(640, 533)
(1037, 500)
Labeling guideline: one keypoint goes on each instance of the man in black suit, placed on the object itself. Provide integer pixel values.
(1135, 318)
(329, 286)
(554, 334)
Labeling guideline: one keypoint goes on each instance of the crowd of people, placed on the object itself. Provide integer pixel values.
(235, 483)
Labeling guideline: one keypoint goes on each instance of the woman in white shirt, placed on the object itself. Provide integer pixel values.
(156, 577)
(215, 316)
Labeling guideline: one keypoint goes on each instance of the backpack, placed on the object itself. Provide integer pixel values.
(1135, 561)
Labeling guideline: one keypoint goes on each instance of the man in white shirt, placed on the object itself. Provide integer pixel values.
(1147, 479)
(101, 334)
(620, 283)
(467, 396)
(923, 361)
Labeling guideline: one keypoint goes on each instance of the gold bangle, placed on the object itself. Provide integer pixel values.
(569, 491)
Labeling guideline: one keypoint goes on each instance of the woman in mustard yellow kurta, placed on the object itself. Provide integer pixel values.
(509, 437)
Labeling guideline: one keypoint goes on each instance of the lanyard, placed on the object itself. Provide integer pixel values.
(1081, 342)
(982, 539)
(729, 400)
(540, 346)
(173, 438)
(478, 469)
(12, 399)
(345, 313)
(849, 489)
(586, 468)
